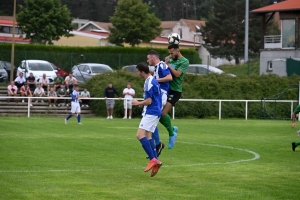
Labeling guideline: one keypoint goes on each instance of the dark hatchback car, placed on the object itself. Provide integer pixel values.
(58, 70)
(7, 67)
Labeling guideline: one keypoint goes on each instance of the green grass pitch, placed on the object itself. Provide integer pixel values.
(42, 158)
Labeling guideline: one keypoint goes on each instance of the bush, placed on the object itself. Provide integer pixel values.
(212, 86)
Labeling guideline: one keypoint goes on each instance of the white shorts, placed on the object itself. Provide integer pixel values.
(75, 107)
(164, 99)
(149, 123)
(129, 104)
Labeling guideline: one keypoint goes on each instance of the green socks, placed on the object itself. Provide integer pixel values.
(297, 143)
(166, 121)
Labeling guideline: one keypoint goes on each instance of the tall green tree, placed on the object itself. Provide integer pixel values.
(132, 23)
(43, 21)
(225, 28)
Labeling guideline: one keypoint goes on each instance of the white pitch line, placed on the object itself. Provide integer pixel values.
(256, 156)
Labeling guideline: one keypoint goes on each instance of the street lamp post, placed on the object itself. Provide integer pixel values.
(13, 44)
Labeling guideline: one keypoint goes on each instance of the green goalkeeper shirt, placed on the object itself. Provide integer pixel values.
(181, 64)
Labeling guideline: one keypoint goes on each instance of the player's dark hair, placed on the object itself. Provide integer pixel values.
(154, 53)
(173, 46)
(76, 85)
(143, 67)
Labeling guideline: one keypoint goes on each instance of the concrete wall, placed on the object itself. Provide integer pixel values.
(277, 58)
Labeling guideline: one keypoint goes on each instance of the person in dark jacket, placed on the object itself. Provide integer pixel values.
(110, 92)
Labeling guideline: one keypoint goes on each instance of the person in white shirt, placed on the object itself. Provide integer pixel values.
(39, 92)
(20, 80)
(45, 82)
(70, 81)
(85, 94)
(128, 96)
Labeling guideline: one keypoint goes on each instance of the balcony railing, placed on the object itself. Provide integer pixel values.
(273, 41)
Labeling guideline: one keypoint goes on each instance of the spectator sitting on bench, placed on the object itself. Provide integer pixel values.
(52, 93)
(70, 81)
(45, 83)
(61, 92)
(31, 81)
(85, 94)
(39, 92)
(26, 92)
(58, 81)
(12, 91)
(20, 80)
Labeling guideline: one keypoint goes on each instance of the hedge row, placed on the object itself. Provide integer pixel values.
(66, 57)
(212, 86)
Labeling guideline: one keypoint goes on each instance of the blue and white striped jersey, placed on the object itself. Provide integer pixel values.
(152, 90)
(74, 95)
(162, 70)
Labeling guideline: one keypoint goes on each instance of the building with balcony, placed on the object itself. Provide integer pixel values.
(280, 54)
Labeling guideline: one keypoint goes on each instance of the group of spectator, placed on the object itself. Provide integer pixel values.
(61, 88)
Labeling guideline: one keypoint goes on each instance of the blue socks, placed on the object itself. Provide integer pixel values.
(78, 118)
(69, 116)
(147, 147)
(155, 136)
(151, 141)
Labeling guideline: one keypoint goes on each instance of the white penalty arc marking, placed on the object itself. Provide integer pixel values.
(256, 157)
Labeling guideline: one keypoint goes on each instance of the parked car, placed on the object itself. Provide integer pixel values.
(7, 67)
(3, 73)
(205, 69)
(38, 68)
(58, 70)
(129, 68)
(84, 71)
(132, 68)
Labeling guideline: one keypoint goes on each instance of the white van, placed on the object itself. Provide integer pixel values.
(38, 68)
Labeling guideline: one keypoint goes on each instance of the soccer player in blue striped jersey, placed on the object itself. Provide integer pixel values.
(163, 76)
(75, 106)
(151, 114)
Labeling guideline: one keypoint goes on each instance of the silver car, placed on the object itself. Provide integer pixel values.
(3, 73)
(85, 71)
(205, 69)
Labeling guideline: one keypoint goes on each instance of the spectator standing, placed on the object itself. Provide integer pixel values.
(85, 94)
(39, 92)
(31, 82)
(45, 83)
(70, 82)
(61, 93)
(110, 92)
(25, 91)
(12, 90)
(128, 93)
(58, 81)
(20, 80)
(52, 97)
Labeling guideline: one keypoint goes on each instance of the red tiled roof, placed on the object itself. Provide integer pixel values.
(168, 24)
(287, 5)
(102, 34)
(10, 18)
(17, 39)
(192, 24)
(6, 22)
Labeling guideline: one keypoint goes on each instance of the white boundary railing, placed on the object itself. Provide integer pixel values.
(173, 110)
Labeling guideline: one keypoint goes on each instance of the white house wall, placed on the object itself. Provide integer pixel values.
(279, 68)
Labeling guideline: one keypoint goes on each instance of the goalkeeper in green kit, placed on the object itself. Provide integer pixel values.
(178, 66)
(296, 111)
